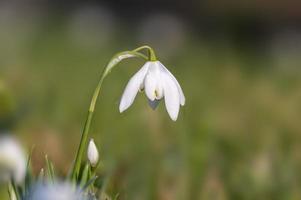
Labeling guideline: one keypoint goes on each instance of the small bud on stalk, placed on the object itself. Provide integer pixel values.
(93, 155)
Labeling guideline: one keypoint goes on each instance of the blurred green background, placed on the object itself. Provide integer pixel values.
(237, 137)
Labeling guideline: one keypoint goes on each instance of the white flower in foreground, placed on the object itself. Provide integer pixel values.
(12, 160)
(158, 82)
(56, 191)
(93, 154)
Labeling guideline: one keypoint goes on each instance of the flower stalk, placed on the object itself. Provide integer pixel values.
(112, 63)
(151, 53)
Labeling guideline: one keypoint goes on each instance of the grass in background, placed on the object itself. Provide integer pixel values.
(236, 138)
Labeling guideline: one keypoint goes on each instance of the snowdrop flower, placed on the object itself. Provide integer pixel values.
(12, 160)
(93, 155)
(57, 191)
(158, 82)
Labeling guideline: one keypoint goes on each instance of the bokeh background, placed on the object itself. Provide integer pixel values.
(238, 62)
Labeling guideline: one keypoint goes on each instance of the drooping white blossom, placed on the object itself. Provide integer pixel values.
(158, 82)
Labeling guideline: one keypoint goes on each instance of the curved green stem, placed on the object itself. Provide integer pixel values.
(83, 141)
(151, 52)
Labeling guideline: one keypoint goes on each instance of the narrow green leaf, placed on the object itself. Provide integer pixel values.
(89, 183)
(15, 190)
(50, 170)
(41, 176)
(11, 193)
(85, 175)
(28, 176)
(116, 196)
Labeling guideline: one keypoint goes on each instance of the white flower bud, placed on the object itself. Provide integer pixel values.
(93, 155)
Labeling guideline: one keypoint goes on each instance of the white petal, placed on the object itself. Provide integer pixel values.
(132, 88)
(153, 104)
(153, 82)
(182, 97)
(150, 83)
(171, 96)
